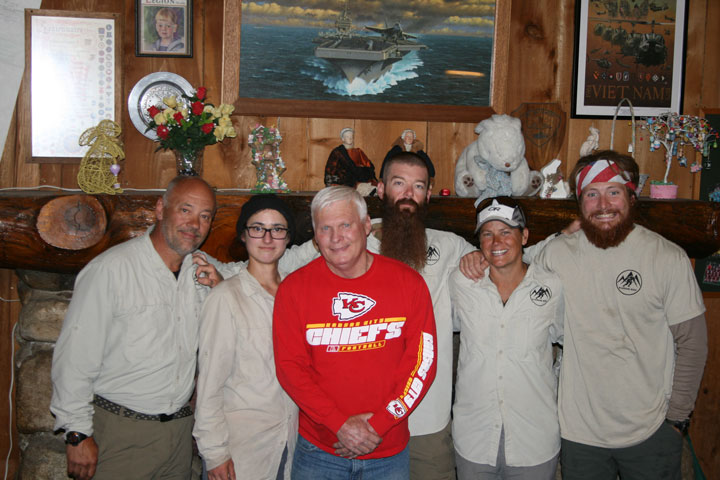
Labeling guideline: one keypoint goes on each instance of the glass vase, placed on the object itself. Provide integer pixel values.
(189, 162)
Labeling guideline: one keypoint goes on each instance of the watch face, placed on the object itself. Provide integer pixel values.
(74, 438)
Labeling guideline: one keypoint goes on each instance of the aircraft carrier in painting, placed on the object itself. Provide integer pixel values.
(360, 54)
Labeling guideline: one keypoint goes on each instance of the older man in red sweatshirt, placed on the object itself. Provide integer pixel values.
(354, 341)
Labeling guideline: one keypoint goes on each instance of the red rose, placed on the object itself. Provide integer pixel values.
(197, 108)
(178, 117)
(153, 110)
(208, 127)
(201, 92)
(163, 132)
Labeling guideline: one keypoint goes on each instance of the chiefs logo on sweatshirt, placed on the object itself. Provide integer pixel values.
(352, 336)
(347, 306)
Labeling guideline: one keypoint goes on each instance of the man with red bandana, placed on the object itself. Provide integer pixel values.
(635, 335)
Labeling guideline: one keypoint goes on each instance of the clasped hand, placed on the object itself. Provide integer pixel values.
(356, 437)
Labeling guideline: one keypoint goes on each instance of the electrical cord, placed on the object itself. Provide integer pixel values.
(10, 398)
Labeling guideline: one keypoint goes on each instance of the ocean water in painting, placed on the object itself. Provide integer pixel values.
(278, 62)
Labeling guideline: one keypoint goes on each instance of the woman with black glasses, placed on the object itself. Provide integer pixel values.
(245, 424)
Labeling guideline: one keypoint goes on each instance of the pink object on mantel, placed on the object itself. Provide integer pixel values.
(663, 191)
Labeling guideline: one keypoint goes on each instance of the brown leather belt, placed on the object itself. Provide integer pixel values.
(117, 409)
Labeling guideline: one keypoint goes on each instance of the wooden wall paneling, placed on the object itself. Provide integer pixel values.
(710, 96)
(51, 174)
(68, 175)
(532, 64)
(501, 57)
(230, 40)
(8, 165)
(219, 161)
(323, 135)
(211, 19)
(82, 5)
(9, 313)
(375, 137)
(27, 174)
(577, 133)
(704, 425)
(445, 143)
(218, 165)
(294, 151)
(694, 56)
(565, 32)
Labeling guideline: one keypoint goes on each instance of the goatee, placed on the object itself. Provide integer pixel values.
(403, 233)
(613, 237)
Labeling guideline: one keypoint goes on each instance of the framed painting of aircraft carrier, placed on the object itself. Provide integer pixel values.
(629, 49)
(392, 59)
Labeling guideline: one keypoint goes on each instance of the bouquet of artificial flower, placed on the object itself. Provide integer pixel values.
(190, 124)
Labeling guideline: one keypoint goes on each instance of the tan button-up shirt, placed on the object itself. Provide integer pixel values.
(242, 411)
(130, 335)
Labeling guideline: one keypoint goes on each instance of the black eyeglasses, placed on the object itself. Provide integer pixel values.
(276, 233)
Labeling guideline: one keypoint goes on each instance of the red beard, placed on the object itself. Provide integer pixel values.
(608, 238)
(403, 233)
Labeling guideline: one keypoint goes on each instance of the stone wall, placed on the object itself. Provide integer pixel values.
(44, 297)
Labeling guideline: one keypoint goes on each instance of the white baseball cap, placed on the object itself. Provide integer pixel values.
(510, 216)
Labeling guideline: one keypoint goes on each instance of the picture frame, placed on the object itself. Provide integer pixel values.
(163, 29)
(297, 107)
(637, 54)
(74, 68)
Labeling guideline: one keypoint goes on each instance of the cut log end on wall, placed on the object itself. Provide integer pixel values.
(74, 222)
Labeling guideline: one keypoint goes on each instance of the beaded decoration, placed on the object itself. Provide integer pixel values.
(269, 166)
(674, 132)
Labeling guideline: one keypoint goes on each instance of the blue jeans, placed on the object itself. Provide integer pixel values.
(313, 463)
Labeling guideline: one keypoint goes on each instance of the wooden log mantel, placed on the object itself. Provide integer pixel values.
(691, 224)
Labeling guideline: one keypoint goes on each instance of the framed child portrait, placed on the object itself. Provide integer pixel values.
(163, 28)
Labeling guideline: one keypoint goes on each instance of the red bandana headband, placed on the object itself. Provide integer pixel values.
(600, 171)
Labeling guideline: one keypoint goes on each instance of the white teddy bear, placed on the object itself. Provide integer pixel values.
(494, 164)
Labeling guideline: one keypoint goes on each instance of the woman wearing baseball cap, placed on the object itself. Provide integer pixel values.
(505, 422)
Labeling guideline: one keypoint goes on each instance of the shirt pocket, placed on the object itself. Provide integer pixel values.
(255, 351)
(534, 334)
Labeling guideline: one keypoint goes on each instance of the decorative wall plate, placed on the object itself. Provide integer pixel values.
(149, 91)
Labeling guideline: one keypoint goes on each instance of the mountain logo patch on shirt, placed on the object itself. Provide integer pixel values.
(540, 295)
(433, 255)
(347, 306)
(628, 282)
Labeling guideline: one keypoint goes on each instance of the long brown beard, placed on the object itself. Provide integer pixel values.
(403, 233)
(608, 238)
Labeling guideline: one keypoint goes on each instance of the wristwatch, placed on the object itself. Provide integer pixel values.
(74, 438)
(681, 425)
